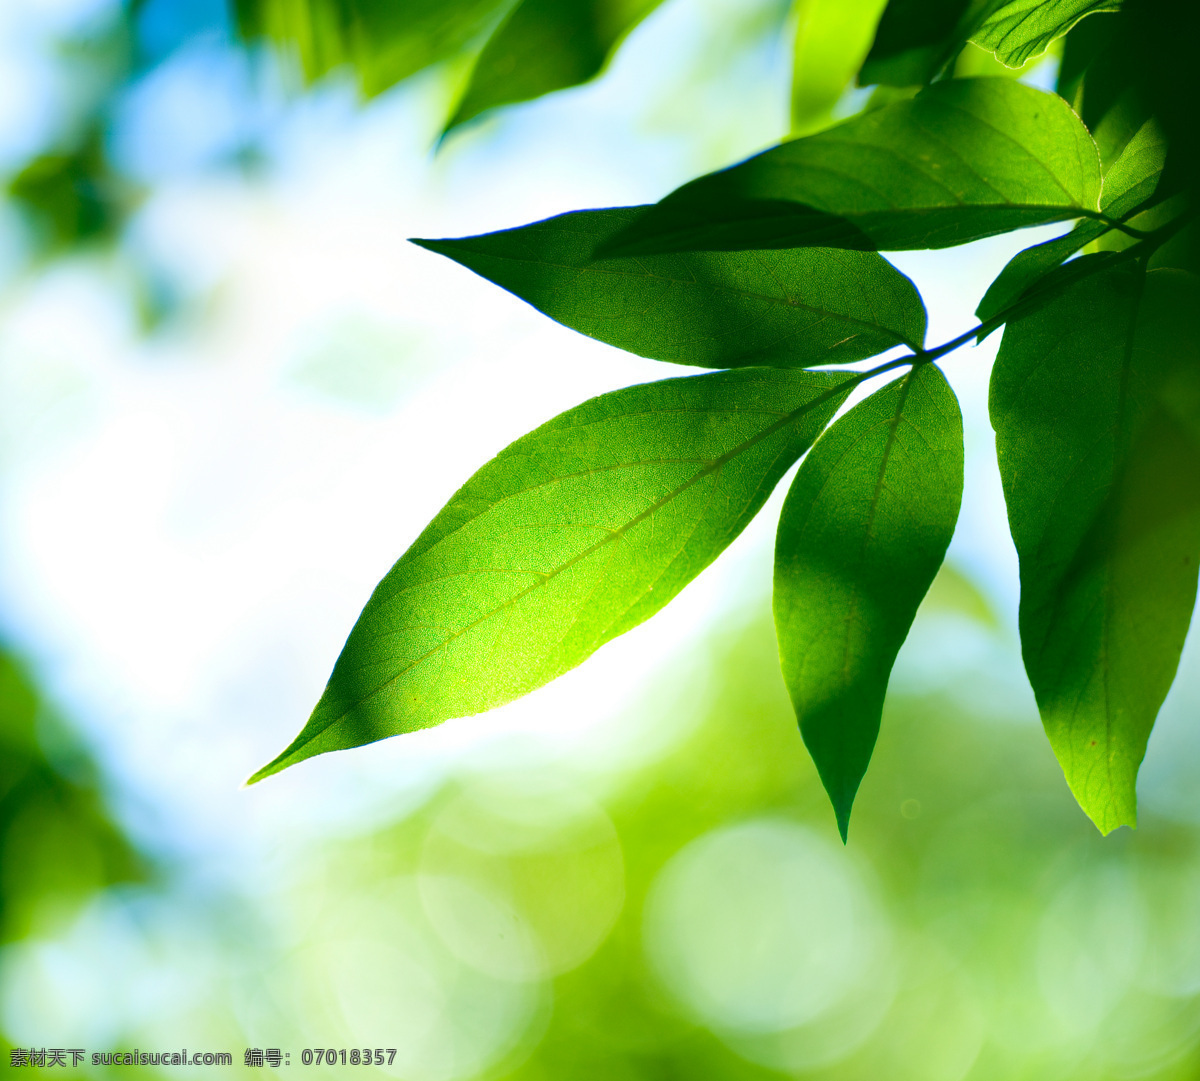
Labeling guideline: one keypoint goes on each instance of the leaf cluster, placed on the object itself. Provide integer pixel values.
(518, 49)
(771, 272)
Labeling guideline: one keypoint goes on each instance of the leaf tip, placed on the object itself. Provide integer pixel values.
(274, 766)
(1108, 819)
(841, 797)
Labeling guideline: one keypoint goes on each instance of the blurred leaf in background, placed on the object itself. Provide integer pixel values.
(382, 41)
(547, 45)
(59, 844)
(696, 919)
(73, 198)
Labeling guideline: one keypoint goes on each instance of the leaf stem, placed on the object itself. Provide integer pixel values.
(1146, 246)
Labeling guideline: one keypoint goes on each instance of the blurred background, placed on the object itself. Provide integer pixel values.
(231, 395)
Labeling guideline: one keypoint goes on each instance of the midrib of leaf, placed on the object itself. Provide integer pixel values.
(873, 510)
(785, 302)
(818, 167)
(1122, 407)
(714, 466)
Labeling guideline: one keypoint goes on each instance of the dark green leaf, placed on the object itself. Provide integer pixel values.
(789, 309)
(863, 532)
(383, 40)
(964, 159)
(569, 537)
(547, 45)
(1019, 30)
(1094, 400)
(73, 196)
(916, 39)
(1083, 44)
(1131, 181)
(1101, 80)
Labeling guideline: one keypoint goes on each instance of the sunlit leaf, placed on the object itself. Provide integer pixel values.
(384, 41)
(832, 39)
(919, 39)
(547, 45)
(1019, 30)
(575, 533)
(1101, 468)
(863, 532)
(1131, 181)
(713, 309)
(964, 159)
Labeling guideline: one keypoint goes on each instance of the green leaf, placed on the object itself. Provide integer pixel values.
(964, 159)
(1131, 181)
(863, 532)
(547, 45)
(1100, 76)
(789, 309)
(383, 40)
(1028, 267)
(1090, 400)
(1022, 29)
(918, 38)
(832, 40)
(575, 533)
(73, 197)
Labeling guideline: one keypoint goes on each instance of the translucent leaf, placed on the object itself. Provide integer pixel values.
(1095, 400)
(964, 159)
(713, 309)
(1131, 180)
(863, 532)
(919, 39)
(572, 535)
(832, 39)
(1019, 30)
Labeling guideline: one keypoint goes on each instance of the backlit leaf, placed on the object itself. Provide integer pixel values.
(1130, 181)
(713, 309)
(832, 39)
(964, 159)
(919, 39)
(1022, 29)
(863, 532)
(1096, 401)
(547, 45)
(572, 535)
